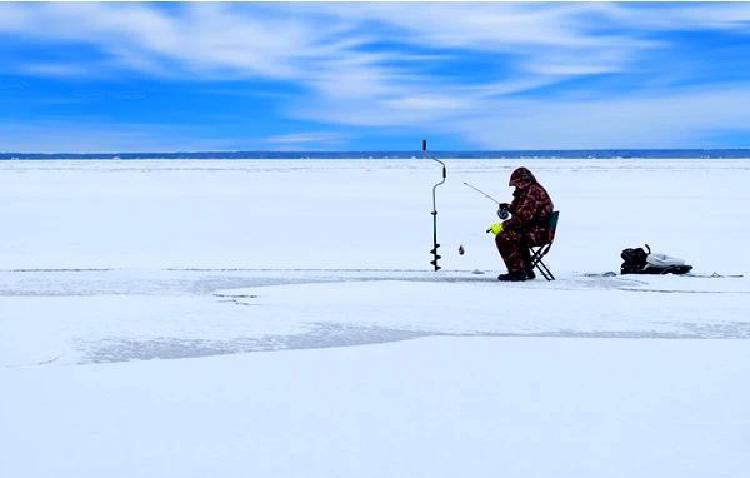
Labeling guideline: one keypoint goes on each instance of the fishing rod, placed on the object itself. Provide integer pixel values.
(483, 193)
(435, 245)
(502, 212)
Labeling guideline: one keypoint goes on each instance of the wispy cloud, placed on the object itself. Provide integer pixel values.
(374, 64)
(302, 141)
(91, 135)
(673, 120)
(64, 70)
(680, 16)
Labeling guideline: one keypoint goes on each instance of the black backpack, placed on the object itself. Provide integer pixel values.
(634, 260)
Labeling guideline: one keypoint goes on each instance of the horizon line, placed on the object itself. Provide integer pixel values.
(392, 151)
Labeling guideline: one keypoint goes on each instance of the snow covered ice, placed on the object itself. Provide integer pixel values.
(140, 302)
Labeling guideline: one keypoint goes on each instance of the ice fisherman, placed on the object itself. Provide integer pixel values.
(528, 225)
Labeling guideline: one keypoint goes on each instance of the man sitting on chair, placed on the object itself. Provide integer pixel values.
(528, 226)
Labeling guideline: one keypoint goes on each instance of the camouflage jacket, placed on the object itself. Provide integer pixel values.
(531, 209)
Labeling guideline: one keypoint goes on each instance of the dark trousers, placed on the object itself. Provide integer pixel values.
(513, 246)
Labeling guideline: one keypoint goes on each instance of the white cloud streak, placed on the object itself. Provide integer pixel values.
(666, 120)
(300, 141)
(90, 135)
(320, 47)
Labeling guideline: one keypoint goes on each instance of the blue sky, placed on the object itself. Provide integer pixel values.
(95, 77)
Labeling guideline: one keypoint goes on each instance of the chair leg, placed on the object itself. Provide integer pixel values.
(544, 270)
(536, 256)
(536, 262)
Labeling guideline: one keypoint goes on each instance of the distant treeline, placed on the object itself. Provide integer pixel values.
(486, 154)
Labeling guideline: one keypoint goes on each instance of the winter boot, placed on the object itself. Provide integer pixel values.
(519, 276)
(530, 273)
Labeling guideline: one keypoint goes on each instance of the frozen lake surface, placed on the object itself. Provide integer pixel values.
(140, 302)
(120, 315)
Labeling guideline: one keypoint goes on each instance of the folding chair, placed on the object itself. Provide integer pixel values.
(538, 252)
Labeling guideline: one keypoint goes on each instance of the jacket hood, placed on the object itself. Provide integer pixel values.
(521, 177)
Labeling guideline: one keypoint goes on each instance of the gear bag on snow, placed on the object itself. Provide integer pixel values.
(638, 261)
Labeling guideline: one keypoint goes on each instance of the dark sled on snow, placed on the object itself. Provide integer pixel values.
(638, 261)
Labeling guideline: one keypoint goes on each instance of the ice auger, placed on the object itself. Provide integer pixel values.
(435, 245)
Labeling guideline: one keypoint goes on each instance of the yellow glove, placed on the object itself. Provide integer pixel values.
(496, 228)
